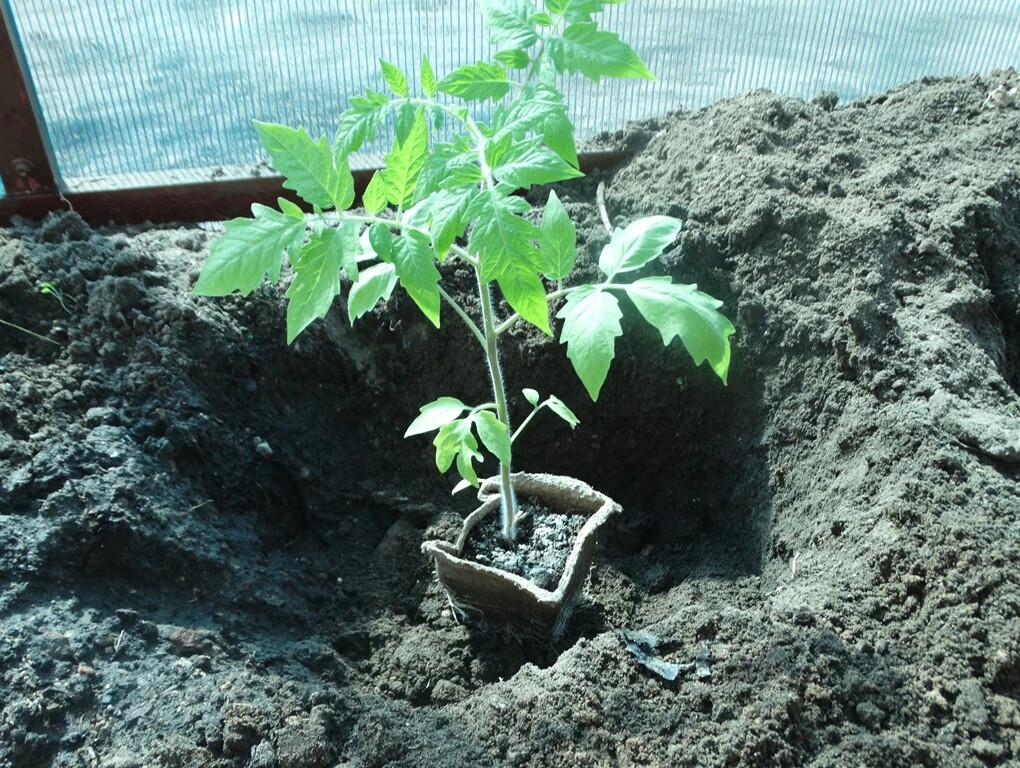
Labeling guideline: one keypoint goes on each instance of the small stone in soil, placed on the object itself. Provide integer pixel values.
(544, 542)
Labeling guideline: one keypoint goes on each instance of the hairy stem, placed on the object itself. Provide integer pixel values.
(507, 499)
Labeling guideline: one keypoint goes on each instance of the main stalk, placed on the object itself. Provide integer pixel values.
(507, 498)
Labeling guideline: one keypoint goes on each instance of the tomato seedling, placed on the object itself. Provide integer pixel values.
(455, 199)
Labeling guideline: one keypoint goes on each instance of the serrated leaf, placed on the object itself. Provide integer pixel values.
(509, 256)
(394, 78)
(595, 54)
(476, 82)
(527, 163)
(441, 411)
(523, 290)
(447, 218)
(405, 162)
(558, 407)
(558, 246)
(538, 110)
(374, 197)
(494, 435)
(576, 10)
(542, 19)
(428, 78)
(375, 283)
(414, 260)
(591, 324)
(531, 395)
(509, 23)
(359, 122)
(317, 275)
(684, 311)
(448, 166)
(249, 250)
(638, 243)
(308, 166)
(455, 441)
(513, 58)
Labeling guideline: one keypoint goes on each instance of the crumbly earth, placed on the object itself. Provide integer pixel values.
(209, 541)
(539, 554)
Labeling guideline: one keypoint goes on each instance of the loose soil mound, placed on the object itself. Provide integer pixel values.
(209, 542)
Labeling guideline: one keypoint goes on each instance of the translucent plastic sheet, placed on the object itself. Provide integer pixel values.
(137, 93)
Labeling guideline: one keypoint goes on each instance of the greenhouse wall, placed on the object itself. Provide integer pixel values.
(134, 94)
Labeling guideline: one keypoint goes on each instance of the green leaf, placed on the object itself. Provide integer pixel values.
(375, 283)
(576, 10)
(528, 163)
(541, 19)
(414, 261)
(595, 54)
(591, 323)
(308, 166)
(509, 23)
(494, 435)
(290, 209)
(394, 78)
(456, 441)
(513, 58)
(684, 311)
(531, 395)
(403, 121)
(435, 414)
(381, 240)
(374, 198)
(428, 78)
(476, 82)
(249, 250)
(523, 290)
(636, 245)
(317, 275)
(509, 256)
(405, 162)
(359, 122)
(449, 166)
(542, 111)
(558, 407)
(558, 246)
(447, 217)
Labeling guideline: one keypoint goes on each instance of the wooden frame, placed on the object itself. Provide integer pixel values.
(26, 165)
(204, 201)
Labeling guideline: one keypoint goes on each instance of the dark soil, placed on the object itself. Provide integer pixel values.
(544, 541)
(209, 541)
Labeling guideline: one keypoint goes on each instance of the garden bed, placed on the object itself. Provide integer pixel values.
(210, 541)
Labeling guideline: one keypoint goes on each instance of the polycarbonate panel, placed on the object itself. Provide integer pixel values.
(130, 90)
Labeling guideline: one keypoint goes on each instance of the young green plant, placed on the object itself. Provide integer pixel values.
(455, 199)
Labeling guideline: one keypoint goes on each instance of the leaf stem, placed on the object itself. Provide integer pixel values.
(472, 326)
(525, 423)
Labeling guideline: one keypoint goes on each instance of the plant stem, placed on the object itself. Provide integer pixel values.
(507, 499)
(30, 333)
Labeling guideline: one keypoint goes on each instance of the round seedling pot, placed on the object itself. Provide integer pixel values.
(488, 595)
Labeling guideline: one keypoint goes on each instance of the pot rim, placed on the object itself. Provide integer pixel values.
(585, 500)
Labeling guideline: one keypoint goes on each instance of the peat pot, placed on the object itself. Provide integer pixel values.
(495, 597)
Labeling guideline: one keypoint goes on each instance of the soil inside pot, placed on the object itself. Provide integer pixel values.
(544, 541)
